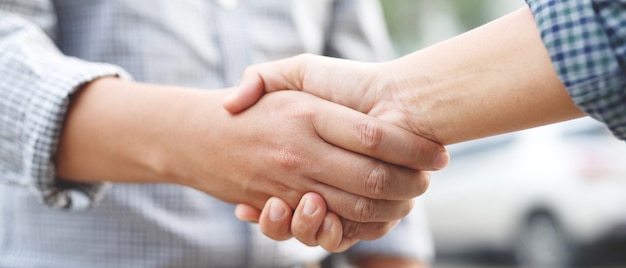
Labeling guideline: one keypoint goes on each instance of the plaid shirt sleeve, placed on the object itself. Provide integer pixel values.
(586, 40)
(36, 80)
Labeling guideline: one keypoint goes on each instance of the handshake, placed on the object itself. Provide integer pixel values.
(325, 150)
(386, 123)
(330, 167)
(368, 164)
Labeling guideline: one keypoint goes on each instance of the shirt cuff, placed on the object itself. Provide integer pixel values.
(37, 82)
(577, 35)
(44, 120)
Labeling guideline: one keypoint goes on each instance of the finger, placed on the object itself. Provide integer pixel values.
(313, 225)
(275, 220)
(363, 189)
(337, 165)
(247, 213)
(382, 140)
(362, 209)
(330, 235)
(337, 80)
(308, 218)
(364, 176)
(286, 74)
(280, 75)
(366, 230)
(349, 83)
(246, 94)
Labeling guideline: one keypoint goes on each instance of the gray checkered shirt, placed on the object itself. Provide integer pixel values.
(48, 49)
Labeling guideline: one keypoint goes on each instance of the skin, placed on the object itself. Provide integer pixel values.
(497, 78)
(287, 145)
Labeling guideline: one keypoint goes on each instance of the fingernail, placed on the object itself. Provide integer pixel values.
(441, 160)
(327, 224)
(277, 212)
(309, 208)
(239, 213)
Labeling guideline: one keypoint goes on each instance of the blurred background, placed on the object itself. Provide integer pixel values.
(547, 197)
(414, 24)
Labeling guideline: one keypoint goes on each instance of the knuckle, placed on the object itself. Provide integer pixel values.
(288, 159)
(424, 151)
(365, 209)
(304, 236)
(377, 181)
(423, 182)
(370, 134)
(350, 228)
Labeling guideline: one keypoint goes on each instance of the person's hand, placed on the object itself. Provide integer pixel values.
(356, 85)
(468, 87)
(375, 89)
(312, 224)
(379, 193)
(292, 143)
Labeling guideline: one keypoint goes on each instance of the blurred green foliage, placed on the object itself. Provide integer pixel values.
(410, 20)
(402, 23)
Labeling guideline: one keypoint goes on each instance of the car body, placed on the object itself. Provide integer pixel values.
(541, 195)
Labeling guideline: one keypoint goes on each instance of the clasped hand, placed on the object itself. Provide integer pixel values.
(381, 188)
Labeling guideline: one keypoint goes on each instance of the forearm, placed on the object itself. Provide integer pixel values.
(121, 131)
(495, 79)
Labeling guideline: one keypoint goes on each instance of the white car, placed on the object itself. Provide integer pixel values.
(545, 195)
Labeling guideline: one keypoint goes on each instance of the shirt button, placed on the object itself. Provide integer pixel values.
(229, 4)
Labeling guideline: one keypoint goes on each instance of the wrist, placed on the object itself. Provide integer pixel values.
(410, 95)
(474, 86)
(121, 131)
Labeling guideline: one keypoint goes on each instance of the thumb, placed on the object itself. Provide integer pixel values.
(285, 74)
(247, 93)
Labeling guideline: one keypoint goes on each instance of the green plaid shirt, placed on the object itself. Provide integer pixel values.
(587, 42)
